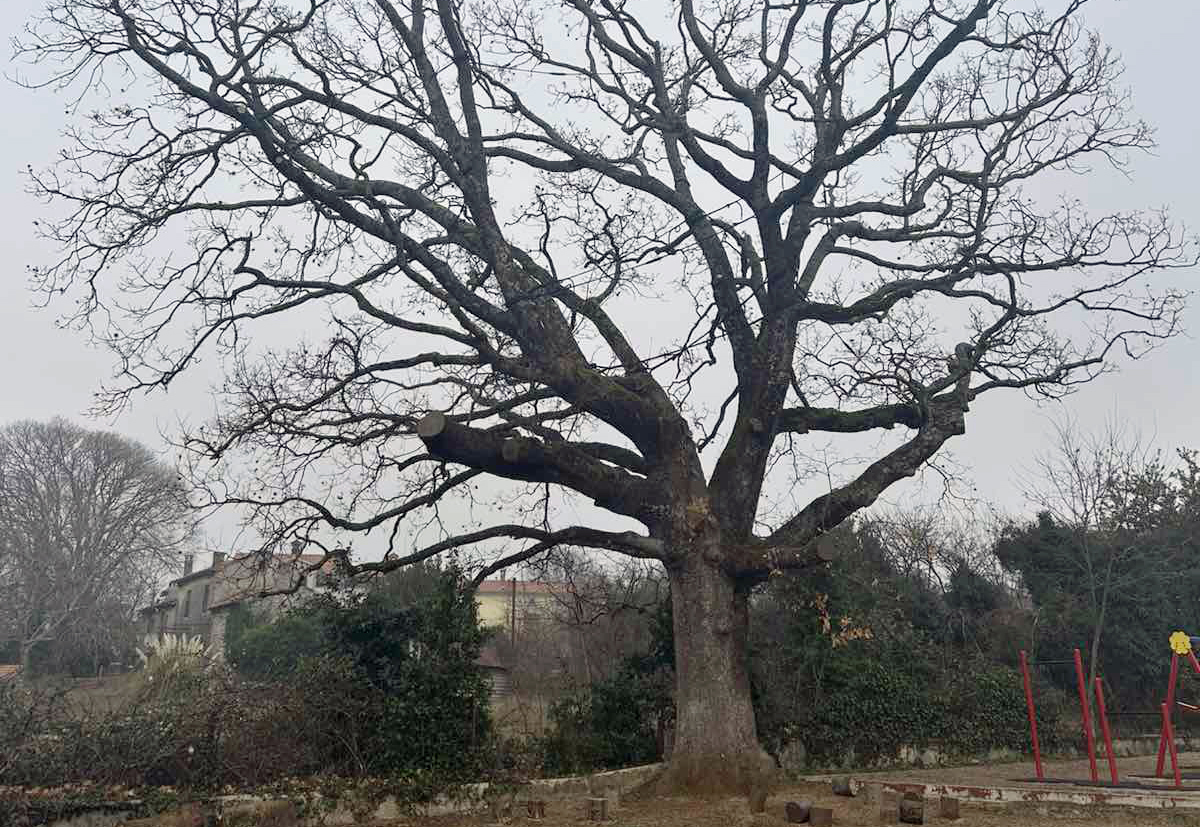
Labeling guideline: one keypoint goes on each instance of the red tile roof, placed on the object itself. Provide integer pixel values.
(523, 587)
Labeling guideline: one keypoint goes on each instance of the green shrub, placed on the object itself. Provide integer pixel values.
(376, 690)
(871, 708)
(611, 724)
(398, 672)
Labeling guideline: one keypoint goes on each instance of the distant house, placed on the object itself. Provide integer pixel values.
(197, 604)
(494, 670)
(511, 604)
(9, 671)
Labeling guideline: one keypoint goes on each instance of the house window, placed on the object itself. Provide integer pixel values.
(187, 603)
(204, 607)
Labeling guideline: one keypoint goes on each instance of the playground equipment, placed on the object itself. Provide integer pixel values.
(1181, 646)
(1085, 710)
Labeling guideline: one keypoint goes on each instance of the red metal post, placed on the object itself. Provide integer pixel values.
(1162, 741)
(1037, 749)
(1102, 711)
(1169, 733)
(1195, 663)
(1086, 709)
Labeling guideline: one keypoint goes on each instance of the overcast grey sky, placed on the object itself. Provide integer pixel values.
(51, 372)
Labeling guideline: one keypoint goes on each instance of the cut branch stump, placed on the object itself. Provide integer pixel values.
(889, 806)
(431, 425)
(797, 812)
(758, 799)
(499, 810)
(597, 809)
(912, 809)
(821, 817)
(948, 808)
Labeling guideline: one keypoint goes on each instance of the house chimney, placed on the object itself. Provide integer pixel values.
(188, 561)
(218, 559)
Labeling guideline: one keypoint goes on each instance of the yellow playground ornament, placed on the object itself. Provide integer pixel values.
(1181, 644)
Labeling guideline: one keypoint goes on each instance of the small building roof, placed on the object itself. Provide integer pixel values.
(489, 658)
(158, 604)
(523, 587)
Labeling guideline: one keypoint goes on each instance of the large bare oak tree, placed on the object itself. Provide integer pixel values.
(845, 197)
(89, 523)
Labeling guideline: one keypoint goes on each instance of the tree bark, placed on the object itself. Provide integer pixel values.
(716, 747)
(27, 658)
(1094, 653)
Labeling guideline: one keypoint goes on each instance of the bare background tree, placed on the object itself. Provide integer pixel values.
(595, 617)
(89, 523)
(828, 207)
(1099, 487)
(601, 610)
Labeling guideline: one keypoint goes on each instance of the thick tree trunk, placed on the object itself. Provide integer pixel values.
(716, 748)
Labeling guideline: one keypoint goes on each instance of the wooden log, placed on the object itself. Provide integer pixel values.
(912, 809)
(499, 810)
(948, 808)
(889, 806)
(821, 816)
(841, 786)
(758, 799)
(597, 809)
(797, 812)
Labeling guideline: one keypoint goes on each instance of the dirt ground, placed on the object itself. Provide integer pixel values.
(856, 812)
(1009, 774)
(668, 812)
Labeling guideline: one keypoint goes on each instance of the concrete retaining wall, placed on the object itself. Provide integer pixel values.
(929, 757)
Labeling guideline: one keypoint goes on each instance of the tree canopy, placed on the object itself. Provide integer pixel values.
(631, 254)
(89, 521)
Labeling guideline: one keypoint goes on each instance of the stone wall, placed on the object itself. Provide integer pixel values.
(475, 797)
